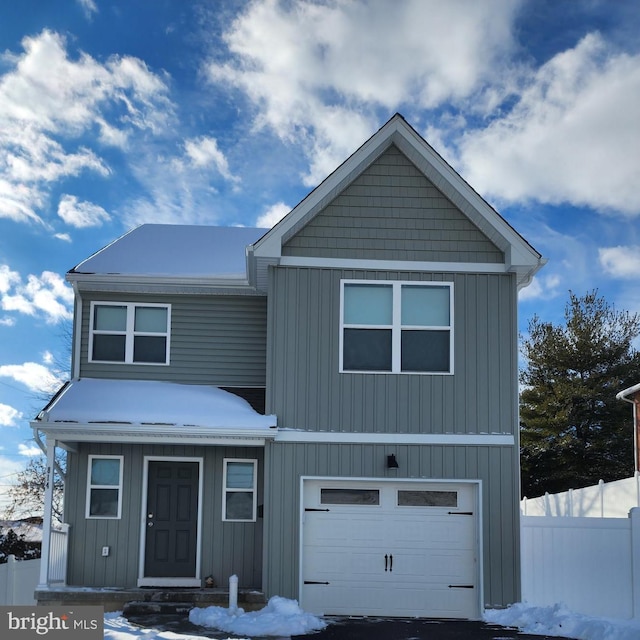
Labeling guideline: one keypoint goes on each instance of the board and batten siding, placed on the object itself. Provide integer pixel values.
(306, 390)
(217, 340)
(228, 548)
(494, 466)
(392, 211)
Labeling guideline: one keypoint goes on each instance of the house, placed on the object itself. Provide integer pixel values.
(327, 409)
(632, 396)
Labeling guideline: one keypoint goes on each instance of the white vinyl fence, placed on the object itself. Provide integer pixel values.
(18, 580)
(603, 500)
(592, 565)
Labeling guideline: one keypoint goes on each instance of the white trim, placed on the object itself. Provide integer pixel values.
(462, 439)
(77, 329)
(394, 265)
(369, 480)
(90, 487)
(144, 581)
(154, 433)
(47, 515)
(396, 327)
(129, 333)
(253, 491)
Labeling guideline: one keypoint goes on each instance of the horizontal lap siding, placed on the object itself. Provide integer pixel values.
(393, 212)
(227, 547)
(306, 390)
(219, 340)
(494, 466)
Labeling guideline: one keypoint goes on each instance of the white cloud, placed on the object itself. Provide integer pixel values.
(203, 152)
(317, 71)
(46, 295)
(88, 7)
(572, 137)
(36, 377)
(273, 215)
(81, 214)
(621, 262)
(9, 416)
(541, 288)
(31, 450)
(48, 101)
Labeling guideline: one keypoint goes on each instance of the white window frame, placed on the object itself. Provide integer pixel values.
(253, 490)
(90, 487)
(396, 326)
(130, 332)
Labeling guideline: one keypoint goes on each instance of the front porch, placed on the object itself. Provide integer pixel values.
(141, 601)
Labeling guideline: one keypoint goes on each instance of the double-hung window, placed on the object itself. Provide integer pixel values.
(239, 490)
(396, 327)
(129, 332)
(104, 487)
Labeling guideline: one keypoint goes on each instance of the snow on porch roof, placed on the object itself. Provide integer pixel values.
(145, 402)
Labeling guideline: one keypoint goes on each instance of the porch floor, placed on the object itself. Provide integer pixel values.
(139, 601)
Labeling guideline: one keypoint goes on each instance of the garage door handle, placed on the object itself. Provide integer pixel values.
(386, 560)
(391, 562)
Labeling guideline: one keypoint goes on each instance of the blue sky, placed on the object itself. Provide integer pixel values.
(227, 112)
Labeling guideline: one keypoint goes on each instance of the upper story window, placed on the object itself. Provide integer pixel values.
(129, 332)
(396, 327)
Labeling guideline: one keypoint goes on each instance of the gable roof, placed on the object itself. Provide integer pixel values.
(520, 256)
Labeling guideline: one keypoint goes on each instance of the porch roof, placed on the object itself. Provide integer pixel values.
(90, 409)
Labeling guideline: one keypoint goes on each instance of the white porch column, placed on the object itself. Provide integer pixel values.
(47, 516)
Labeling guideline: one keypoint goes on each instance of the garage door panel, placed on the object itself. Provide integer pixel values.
(431, 566)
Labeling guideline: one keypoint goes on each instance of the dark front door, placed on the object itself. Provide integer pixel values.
(172, 519)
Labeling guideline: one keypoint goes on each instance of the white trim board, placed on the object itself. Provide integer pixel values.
(462, 439)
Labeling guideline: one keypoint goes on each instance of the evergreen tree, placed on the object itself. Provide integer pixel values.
(574, 431)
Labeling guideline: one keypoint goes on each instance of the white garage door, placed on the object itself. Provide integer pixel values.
(390, 549)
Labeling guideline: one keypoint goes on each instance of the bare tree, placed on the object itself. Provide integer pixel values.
(27, 494)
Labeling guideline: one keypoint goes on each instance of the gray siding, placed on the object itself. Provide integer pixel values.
(496, 467)
(218, 340)
(393, 212)
(306, 391)
(227, 547)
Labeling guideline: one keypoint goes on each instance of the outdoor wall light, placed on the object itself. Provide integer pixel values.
(392, 463)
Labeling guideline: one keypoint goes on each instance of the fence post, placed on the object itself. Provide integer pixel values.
(11, 578)
(634, 516)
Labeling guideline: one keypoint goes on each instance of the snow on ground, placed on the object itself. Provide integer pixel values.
(282, 618)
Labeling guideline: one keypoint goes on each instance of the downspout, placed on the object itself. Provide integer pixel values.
(634, 403)
(77, 334)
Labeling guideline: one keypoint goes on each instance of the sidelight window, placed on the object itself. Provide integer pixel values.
(239, 497)
(396, 327)
(104, 487)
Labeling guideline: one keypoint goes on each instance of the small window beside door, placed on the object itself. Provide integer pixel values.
(104, 487)
(239, 491)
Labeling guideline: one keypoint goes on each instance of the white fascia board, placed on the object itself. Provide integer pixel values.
(393, 265)
(334, 437)
(152, 433)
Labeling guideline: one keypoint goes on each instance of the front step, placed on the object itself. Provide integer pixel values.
(180, 602)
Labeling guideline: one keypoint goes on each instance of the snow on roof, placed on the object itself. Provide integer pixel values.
(147, 402)
(175, 250)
